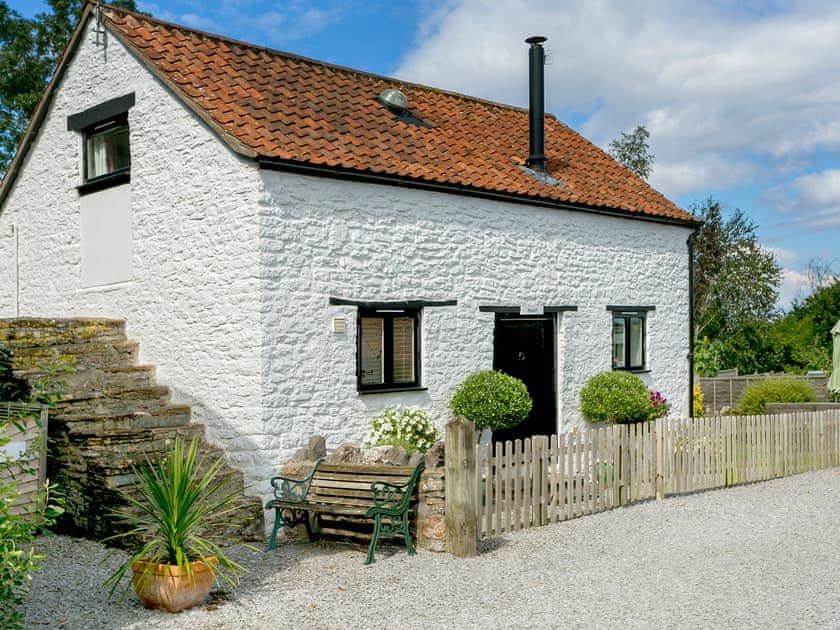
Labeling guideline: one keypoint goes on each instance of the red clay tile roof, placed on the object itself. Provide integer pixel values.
(274, 105)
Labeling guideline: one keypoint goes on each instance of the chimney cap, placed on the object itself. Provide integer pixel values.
(535, 40)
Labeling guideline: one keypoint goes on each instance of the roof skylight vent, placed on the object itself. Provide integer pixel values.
(397, 103)
(393, 99)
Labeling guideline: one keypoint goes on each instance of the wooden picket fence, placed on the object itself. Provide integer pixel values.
(23, 460)
(546, 479)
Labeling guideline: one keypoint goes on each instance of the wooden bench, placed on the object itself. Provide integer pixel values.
(350, 495)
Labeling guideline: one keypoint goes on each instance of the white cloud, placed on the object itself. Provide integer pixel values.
(200, 22)
(721, 82)
(795, 285)
(295, 22)
(675, 178)
(810, 202)
(784, 257)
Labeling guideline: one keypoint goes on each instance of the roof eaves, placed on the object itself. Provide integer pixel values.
(307, 168)
(43, 107)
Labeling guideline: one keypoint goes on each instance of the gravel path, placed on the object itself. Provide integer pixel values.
(759, 556)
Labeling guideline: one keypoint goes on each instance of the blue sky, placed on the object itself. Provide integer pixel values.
(742, 98)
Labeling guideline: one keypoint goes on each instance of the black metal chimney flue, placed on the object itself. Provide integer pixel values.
(536, 84)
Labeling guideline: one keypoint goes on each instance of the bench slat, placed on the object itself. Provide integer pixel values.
(333, 483)
(360, 479)
(328, 500)
(337, 493)
(329, 508)
(367, 469)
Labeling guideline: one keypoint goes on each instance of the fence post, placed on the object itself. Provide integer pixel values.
(659, 436)
(540, 496)
(624, 460)
(461, 519)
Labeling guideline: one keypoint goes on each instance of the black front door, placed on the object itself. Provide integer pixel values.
(523, 346)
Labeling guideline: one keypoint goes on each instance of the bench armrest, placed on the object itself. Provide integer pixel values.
(389, 496)
(394, 496)
(288, 489)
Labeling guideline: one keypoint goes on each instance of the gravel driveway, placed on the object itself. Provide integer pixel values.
(760, 556)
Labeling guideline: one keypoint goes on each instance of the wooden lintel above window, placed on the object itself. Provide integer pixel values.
(336, 301)
(631, 309)
(485, 308)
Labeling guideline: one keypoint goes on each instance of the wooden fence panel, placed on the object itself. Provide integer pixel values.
(23, 459)
(531, 482)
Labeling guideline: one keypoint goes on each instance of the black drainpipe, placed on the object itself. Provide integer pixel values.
(690, 242)
(536, 84)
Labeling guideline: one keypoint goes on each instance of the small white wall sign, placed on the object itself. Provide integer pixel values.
(531, 309)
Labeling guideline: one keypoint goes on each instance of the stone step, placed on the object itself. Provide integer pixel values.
(165, 416)
(112, 417)
(26, 332)
(79, 356)
(80, 384)
(117, 451)
(229, 480)
(144, 399)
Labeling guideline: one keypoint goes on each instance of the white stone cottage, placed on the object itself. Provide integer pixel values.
(296, 251)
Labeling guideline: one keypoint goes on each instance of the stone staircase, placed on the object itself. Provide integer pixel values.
(111, 415)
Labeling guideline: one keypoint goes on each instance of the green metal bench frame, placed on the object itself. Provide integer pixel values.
(389, 507)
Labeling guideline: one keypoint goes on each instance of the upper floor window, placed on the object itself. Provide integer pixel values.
(107, 149)
(388, 348)
(106, 154)
(629, 337)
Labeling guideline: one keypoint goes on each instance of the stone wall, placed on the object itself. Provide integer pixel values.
(431, 529)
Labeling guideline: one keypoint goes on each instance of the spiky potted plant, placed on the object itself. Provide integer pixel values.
(175, 564)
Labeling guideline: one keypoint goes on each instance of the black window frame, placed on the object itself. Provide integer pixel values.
(112, 178)
(94, 121)
(626, 314)
(388, 315)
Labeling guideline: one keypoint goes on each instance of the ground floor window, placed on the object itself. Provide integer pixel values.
(388, 348)
(629, 337)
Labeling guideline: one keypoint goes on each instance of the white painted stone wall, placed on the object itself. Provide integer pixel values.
(193, 302)
(323, 237)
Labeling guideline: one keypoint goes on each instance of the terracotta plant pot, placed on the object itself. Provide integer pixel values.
(166, 587)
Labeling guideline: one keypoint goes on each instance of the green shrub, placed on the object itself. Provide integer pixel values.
(408, 427)
(492, 400)
(616, 397)
(782, 390)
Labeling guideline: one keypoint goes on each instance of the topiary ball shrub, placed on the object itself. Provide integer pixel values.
(781, 390)
(492, 400)
(616, 397)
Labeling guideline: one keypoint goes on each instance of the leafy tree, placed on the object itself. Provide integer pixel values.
(633, 152)
(29, 52)
(735, 280)
(804, 334)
